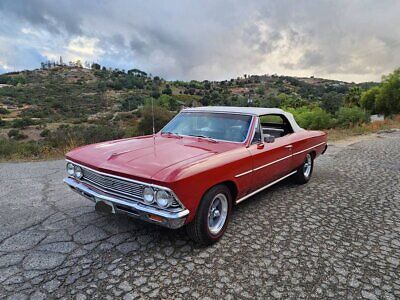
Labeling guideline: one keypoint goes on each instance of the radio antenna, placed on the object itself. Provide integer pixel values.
(152, 115)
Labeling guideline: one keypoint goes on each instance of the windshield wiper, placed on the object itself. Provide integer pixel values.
(171, 133)
(210, 139)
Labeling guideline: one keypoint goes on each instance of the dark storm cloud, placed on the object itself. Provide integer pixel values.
(55, 16)
(355, 40)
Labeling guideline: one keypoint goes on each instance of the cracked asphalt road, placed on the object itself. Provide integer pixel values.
(336, 237)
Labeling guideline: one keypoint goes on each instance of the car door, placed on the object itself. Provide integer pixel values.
(270, 160)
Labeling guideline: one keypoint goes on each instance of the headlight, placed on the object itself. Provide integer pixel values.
(70, 169)
(78, 172)
(148, 195)
(163, 198)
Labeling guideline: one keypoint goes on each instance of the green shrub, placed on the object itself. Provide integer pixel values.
(37, 112)
(22, 123)
(29, 149)
(16, 135)
(4, 111)
(8, 148)
(12, 133)
(169, 102)
(350, 116)
(45, 132)
(131, 131)
(13, 149)
(167, 91)
(312, 117)
(72, 136)
(161, 117)
(132, 102)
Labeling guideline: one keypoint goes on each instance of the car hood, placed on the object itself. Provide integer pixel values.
(143, 157)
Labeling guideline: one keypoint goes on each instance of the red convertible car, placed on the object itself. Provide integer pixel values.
(192, 172)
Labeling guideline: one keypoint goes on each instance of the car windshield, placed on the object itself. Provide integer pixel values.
(218, 126)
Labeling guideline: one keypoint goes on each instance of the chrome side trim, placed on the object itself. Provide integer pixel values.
(244, 173)
(264, 187)
(278, 160)
(272, 162)
(132, 180)
(309, 148)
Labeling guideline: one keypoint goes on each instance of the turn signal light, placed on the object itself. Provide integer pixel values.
(156, 218)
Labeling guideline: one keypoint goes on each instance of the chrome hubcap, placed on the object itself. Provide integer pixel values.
(217, 213)
(307, 166)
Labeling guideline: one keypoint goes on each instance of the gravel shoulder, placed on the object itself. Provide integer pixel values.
(336, 237)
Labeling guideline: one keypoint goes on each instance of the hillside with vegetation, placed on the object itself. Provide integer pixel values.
(47, 111)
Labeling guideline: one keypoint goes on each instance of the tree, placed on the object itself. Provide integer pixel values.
(155, 93)
(96, 66)
(167, 90)
(388, 99)
(384, 98)
(260, 90)
(368, 99)
(332, 102)
(353, 97)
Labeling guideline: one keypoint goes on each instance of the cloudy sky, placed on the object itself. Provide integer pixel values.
(349, 40)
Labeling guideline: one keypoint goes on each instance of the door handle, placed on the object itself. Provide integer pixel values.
(288, 146)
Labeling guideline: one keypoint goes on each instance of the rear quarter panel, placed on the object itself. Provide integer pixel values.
(307, 141)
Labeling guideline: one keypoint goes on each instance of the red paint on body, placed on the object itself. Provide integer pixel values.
(190, 166)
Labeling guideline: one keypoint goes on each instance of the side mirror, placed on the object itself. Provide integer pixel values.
(269, 138)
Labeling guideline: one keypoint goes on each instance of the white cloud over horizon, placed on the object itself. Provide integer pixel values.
(346, 40)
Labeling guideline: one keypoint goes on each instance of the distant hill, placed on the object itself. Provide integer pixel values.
(63, 92)
(60, 94)
(45, 112)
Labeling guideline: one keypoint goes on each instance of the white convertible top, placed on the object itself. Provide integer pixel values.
(256, 111)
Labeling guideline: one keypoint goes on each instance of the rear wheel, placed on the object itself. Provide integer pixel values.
(304, 173)
(212, 216)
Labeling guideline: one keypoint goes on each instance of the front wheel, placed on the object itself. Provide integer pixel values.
(304, 173)
(212, 216)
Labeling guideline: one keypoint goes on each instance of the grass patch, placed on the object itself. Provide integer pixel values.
(56, 143)
(365, 128)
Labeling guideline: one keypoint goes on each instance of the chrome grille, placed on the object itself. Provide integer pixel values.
(119, 187)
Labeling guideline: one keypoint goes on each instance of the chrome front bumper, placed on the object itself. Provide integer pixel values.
(134, 209)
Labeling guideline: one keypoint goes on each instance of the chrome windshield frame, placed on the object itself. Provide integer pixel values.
(215, 112)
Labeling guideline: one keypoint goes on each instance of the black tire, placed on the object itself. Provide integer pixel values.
(301, 176)
(198, 230)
